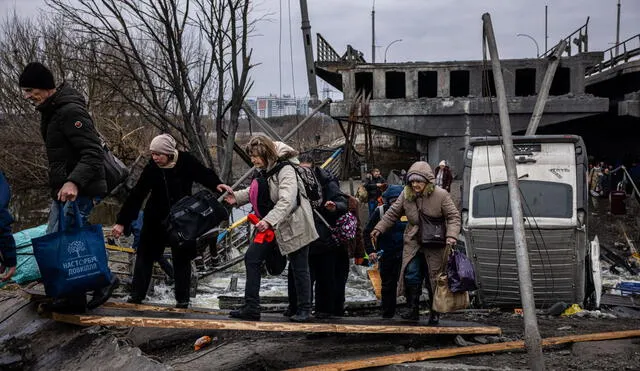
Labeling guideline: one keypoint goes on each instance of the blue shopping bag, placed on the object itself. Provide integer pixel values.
(73, 260)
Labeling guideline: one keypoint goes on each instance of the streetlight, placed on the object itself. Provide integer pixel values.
(534, 41)
(387, 48)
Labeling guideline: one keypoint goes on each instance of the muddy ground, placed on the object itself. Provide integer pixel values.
(277, 351)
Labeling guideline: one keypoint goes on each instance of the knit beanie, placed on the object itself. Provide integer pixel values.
(36, 76)
(443, 163)
(163, 143)
(415, 177)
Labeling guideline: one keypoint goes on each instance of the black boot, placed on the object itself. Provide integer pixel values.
(434, 317)
(413, 302)
(70, 305)
(246, 314)
(300, 316)
(101, 296)
(290, 311)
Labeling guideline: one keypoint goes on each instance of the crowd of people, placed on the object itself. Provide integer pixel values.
(317, 236)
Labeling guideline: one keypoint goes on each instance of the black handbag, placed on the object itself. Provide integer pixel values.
(432, 230)
(115, 171)
(275, 262)
(193, 216)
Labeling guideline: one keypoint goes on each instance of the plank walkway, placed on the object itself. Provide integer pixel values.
(121, 314)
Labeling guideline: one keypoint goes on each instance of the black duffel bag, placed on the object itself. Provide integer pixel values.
(193, 216)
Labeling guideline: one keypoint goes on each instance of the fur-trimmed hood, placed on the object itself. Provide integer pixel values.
(286, 152)
(423, 169)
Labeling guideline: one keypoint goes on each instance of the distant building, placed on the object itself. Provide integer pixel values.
(274, 106)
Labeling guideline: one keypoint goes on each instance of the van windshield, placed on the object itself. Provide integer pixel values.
(540, 199)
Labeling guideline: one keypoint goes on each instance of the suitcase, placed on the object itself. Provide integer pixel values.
(617, 199)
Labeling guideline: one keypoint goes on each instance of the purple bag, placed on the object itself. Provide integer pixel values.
(460, 273)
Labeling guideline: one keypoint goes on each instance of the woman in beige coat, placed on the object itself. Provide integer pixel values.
(420, 195)
(291, 219)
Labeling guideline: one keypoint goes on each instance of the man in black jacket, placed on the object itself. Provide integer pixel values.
(75, 156)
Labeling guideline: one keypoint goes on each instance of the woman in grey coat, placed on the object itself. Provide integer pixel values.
(290, 218)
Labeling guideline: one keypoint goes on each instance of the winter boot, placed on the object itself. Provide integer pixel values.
(300, 316)
(245, 313)
(413, 302)
(434, 317)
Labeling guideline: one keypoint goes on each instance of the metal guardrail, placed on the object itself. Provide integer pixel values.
(325, 52)
(630, 48)
(579, 37)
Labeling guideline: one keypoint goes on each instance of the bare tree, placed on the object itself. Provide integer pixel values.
(156, 45)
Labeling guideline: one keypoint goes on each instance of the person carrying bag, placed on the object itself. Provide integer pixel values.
(433, 222)
(166, 180)
(73, 260)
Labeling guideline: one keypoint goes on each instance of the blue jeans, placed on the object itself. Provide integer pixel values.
(85, 205)
(414, 272)
(373, 204)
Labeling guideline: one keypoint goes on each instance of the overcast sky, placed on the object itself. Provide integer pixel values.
(431, 30)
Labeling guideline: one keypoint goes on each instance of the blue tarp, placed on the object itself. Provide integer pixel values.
(27, 267)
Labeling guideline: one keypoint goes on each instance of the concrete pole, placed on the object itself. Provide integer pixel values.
(543, 94)
(532, 339)
(546, 34)
(373, 32)
(308, 53)
(618, 30)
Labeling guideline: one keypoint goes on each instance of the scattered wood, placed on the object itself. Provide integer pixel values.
(218, 323)
(632, 248)
(474, 349)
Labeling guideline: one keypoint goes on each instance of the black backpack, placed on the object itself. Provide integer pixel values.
(312, 186)
(193, 216)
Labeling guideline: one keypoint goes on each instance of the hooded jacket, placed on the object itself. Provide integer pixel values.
(166, 186)
(292, 223)
(72, 143)
(392, 240)
(437, 204)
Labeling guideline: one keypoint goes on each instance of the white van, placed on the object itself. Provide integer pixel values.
(552, 172)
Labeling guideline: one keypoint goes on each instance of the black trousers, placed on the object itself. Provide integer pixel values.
(253, 259)
(322, 270)
(153, 240)
(389, 267)
(341, 273)
(299, 280)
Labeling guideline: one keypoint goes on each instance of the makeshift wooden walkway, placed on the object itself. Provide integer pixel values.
(122, 314)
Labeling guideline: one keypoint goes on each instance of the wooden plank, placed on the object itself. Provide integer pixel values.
(159, 308)
(474, 349)
(230, 324)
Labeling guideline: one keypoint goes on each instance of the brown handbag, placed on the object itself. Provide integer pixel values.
(444, 300)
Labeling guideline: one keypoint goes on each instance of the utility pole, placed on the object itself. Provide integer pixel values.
(546, 34)
(308, 54)
(543, 94)
(373, 32)
(618, 30)
(532, 339)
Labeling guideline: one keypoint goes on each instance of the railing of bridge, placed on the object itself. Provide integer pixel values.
(620, 53)
(326, 53)
(579, 38)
